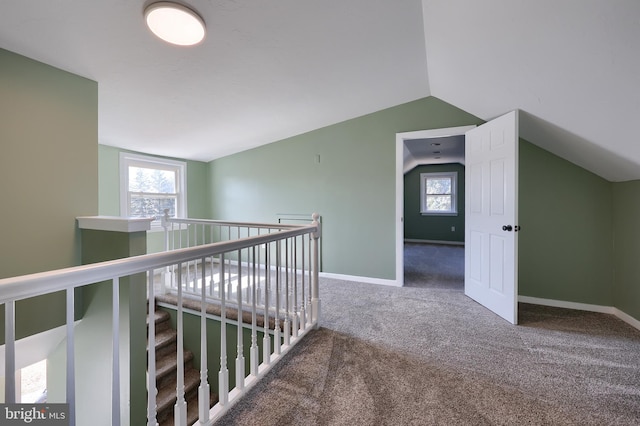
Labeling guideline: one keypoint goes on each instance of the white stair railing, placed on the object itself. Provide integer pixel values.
(257, 256)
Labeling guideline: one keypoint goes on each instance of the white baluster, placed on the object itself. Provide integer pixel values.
(240, 356)
(211, 272)
(248, 296)
(166, 271)
(303, 301)
(152, 391)
(211, 281)
(287, 329)
(294, 299)
(253, 360)
(258, 290)
(10, 353)
(71, 363)
(115, 378)
(204, 390)
(315, 290)
(173, 246)
(190, 281)
(180, 408)
(229, 282)
(276, 332)
(220, 277)
(229, 269)
(310, 281)
(266, 340)
(223, 375)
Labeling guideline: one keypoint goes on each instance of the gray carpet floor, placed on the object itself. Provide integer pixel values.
(425, 354)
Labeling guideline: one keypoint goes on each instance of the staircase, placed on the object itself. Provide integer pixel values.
(166, 368)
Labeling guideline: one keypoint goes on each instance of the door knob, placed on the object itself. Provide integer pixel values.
(507, 228)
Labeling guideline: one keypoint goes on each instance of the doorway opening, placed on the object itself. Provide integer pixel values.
(420, 153)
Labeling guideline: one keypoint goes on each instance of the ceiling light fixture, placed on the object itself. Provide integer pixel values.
(174, 23)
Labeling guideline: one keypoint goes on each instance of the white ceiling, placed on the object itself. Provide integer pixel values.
(572, 67)
(267, 70)
(437, 150)
(270, 70)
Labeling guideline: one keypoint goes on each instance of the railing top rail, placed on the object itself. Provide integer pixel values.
(26, 286)
(229, 223)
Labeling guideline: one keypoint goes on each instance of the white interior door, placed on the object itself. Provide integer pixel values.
(491, 208)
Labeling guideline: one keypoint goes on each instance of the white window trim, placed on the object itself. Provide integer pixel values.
(129, 159)
(454, 194)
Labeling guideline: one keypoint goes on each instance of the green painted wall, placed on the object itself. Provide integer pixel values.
(567, 213)
(108, 180)
(352, 185)
(626, 238)
(109, 190)
(48, 167)
(48, 175)
(565, 246)
(436, 228)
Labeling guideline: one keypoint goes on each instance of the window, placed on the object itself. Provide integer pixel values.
(438, 193)
(149, 185)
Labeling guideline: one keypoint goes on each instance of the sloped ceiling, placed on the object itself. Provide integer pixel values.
(436, 150)
(270, 70)
(572, 67)
(267, 70)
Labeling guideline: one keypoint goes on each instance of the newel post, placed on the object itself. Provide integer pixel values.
(315, 285)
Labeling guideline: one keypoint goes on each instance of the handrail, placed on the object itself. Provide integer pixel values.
(26, 286)
(227, 223)
(299, 312)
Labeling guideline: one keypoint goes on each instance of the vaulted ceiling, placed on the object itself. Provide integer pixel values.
(270, 70)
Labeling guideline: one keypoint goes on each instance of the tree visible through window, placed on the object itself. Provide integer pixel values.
(151, 191)
(438, 193)
(151, 185)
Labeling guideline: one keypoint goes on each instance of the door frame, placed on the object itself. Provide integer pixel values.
(400, 139)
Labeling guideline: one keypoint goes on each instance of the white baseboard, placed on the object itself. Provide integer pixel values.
(627, 318)
(368, 280)
(445, 243)
(568, 305)
(583, 307)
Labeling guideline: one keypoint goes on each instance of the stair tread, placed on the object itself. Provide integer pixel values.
(167, 394)
(166, 369)
(214, 308)
(164, 338)
(159, 315)
(168, 363)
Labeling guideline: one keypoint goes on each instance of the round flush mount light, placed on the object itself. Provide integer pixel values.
(174, 23)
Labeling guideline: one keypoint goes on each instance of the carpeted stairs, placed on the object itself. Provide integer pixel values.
(166, 368)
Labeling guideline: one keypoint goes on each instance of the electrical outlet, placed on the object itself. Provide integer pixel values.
(453, 229)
